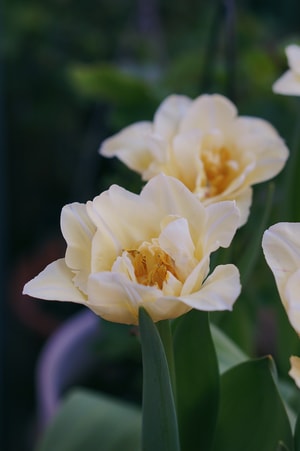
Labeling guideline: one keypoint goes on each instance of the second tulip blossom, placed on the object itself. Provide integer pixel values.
(217, 154)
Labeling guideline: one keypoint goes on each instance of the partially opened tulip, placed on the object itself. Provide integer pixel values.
(281, 246)
(289, 82)
(152, 250)
(217, 154)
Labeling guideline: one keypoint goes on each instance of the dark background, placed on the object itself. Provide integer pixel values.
(73, 73)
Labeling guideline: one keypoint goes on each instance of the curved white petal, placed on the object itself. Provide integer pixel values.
(222, 221)
(293, 55)
(130, 145)
(295, 369)
(186, 150)
(172, 197)
(281, 247)
(209, 112)
(219, 291)
(176, 241)
(257, 137)
(55, 283)
(169, 114)
(127, 217)
(288, 83)
(113, 297)
(292, 298)
(195, 279)
(78, 231)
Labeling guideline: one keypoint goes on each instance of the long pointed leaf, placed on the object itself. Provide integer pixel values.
(252, 415)
(160, 431)
(197, 381)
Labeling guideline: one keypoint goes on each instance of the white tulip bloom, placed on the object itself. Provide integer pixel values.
(217, 154)
(152, 250)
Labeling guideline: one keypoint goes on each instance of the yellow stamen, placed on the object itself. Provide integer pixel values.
(151, 265)
(220, 170)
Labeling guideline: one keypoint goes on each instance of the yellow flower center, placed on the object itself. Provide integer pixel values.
(220, 169)
(151, 265)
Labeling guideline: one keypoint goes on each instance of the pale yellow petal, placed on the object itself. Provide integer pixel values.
(186, 154)
(176, 241)
(113, 297)
(269, 152)
(295, 369)
(293, 56)
(78, 231)
(222, 221)
(127, 217)
(169, 114)
(288, 84)
(292, 299)
(195, 279)
(281, 247)
(171, 197)
(55, 283)
(219, 291)
(131, 146)
(209, 112)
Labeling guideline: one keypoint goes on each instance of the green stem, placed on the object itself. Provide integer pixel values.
(165, 332)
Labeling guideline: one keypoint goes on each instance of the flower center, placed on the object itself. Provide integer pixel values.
(151, 265)
(219, 169)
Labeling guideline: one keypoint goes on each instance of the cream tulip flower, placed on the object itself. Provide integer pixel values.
(205, 144)
(289, 82)
(152, 250)
(281, 246)
(295, 369)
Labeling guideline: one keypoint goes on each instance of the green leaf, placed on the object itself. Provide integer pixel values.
(297, 434)
(88, 421)
(160, 430)
(228, 353)
(197, 381)
(252, 415)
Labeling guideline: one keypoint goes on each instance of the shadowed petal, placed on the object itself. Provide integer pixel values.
(55, 283)
(219, 291)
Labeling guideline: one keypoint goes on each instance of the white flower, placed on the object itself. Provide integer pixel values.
(152, 250)
(205, 144)
(281, 246)
(289, 82)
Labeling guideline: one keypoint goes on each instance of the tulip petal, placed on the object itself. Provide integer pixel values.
(288, 83)
(293, 55)
(176, 241)
(113, 297)
(78, 231)
(173, 198)
(209, 112)
(222, 221)
(130, 145)
(169, 114)
(292, 297)
(55, 283)
(127, 217)
(281, 247)
(219, 291)
(295, 369)
(186, 149)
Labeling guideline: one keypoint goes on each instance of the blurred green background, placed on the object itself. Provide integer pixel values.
(75, 72)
